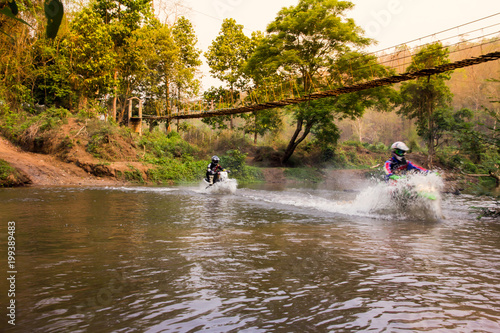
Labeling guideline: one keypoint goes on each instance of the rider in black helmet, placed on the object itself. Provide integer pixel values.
(213, 170)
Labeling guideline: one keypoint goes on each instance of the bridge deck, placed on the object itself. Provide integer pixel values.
(329, 93)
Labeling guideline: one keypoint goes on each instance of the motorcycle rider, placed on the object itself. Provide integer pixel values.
(398, 164)
(213, 170)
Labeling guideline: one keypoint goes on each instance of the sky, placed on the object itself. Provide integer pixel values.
(390, 22)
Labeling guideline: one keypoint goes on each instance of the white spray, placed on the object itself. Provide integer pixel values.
(414, 196)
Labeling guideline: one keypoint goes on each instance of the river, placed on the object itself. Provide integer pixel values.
(260, 258)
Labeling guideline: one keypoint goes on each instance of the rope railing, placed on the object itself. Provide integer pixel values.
(291, 90)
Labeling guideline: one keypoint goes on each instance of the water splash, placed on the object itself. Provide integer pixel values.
(228, 186)
(416, 196)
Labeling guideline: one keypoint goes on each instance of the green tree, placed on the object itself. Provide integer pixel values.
(89, 50)
(424, 96)
(262, 122)
(312, 42)
(228, 53)
(52, 86)
(226, 57)
(123, 17)
(161, 55)
(189, 59)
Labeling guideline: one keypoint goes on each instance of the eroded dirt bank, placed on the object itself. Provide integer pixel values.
(43, 169)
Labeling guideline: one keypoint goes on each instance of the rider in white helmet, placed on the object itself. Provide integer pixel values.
(398, 164)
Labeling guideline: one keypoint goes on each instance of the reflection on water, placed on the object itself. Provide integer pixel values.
(153, 259)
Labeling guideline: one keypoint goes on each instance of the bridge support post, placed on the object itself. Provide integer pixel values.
(135, 123)
(168, 126)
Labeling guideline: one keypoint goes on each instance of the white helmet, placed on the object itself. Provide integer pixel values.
(399, 150)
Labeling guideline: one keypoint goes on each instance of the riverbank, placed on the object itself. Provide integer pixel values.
(45, 169)
(36, 169)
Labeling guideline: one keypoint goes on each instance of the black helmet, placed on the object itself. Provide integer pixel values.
(215, 159)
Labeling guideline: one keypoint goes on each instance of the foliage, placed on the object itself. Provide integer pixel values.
(228, 53)
(54, 11)
(173, 170)
(90, 55)
(219, 98)
(122, 16)
(262, 122)
(5, 171)
(99, 139)
(315, 37)
(378, 147)
(25, 127)
(234, 160)
(52, 84)
(158, 145)
(107, 140)
(133, 175)
(189, 59)
(422, 98)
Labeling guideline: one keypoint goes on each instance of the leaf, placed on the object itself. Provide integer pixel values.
(11, 11)
(54, 12)
(13, 7)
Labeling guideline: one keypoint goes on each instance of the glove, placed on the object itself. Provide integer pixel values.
(395, 177)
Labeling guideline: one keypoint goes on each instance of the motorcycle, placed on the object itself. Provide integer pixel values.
(220, 183)
(417, 194)
(219, 177)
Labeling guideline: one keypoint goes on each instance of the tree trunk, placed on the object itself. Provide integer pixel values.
(167, 97)
(294, 142)
(231, 122)
(168, 124)
(255, 128)
(113, 115)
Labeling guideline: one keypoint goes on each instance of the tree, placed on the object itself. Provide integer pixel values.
(89, 51)
(123, 17)
(262, 122)
(189, 59)
(52, 86)
(228, 53)
(422, 97)
(156, 47)
(311, 43)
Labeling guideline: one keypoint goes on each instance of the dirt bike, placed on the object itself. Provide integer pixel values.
(415, 190)
(219, 177)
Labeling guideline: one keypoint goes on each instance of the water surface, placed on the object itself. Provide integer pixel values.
(261, 259)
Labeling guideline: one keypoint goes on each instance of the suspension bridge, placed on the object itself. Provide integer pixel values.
(468, 45)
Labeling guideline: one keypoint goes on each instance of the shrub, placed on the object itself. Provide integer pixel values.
(27, 128)
(172, 170)
(234, 160)
(171, 145)
(134, 175)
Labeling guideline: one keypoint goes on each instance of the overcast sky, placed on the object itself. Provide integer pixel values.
(390, 22)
